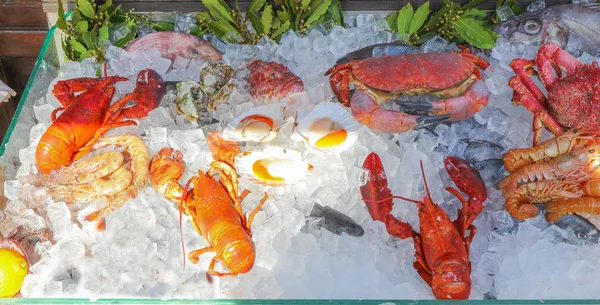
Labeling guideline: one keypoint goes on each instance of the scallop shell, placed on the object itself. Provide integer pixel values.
(274, 166)
(328, 128)
(260, 124)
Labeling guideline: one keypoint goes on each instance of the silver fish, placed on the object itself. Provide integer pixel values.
(491, 170)
(335, 221)
(578, 229)
(380, 49)
(481, 150)
(173, 44)
(576, 24)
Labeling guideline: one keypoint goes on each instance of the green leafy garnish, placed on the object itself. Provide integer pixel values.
(454, 22)
(265, 19)
(90, 25)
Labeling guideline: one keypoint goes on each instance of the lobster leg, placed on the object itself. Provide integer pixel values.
(194, 256)
(256, 209)
(421, 264)
(211, 269)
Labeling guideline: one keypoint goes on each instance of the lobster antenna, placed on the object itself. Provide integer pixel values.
(425, 179)
(406, 199)
(105, 74)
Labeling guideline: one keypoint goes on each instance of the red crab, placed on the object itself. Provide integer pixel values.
(272, 81)
(573, 100)
(453, 76)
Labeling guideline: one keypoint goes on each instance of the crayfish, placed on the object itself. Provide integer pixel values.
(214, 206)
(442, 250)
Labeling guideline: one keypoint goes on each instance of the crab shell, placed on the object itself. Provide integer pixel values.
(328, 128)
(274, 166)
(260, 124)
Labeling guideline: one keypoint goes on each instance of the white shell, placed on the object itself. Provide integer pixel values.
(325, 119)
(256, 130)
(285, 164)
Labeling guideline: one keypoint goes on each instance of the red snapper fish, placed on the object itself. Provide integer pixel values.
(174, 44)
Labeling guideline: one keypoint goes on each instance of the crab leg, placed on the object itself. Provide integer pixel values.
(368, 112)
(459, 107)
(524, 96)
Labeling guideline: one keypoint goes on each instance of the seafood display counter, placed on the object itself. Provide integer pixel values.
(333, 165)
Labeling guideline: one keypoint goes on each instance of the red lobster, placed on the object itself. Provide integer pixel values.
(89, 115)
(214, 205)
(442, 251)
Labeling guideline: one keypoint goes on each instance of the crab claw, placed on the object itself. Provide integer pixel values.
(166, 168)
(149, 91)
(468, 180)
(368, 112)
(458, 108)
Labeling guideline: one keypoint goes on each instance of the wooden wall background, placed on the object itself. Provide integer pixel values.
(23, 28)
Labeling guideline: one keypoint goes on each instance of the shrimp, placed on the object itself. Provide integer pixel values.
(519, 203)
(137, 149)
(578, 165)
(96, 190)
(82, 171)
(550, 149)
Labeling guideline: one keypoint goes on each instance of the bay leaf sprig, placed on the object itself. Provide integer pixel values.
(452, 21)
(90, 24)
(264, 18)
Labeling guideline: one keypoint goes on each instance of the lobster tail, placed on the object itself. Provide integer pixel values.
(55, 149)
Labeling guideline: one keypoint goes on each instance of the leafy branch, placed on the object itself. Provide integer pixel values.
(91, 24)
(452, 22)
(265, 19)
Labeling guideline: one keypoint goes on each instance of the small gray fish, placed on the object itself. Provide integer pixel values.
(579, 229)
(577, 24)
(480, 150)
(335, 221)
(380, 49)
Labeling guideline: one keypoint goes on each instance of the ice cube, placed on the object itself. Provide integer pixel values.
(43, 113)
(115, 53)
(502, 220)
(435, 45)
(185, 23)
(505, 13)
(60, 218)
(536, 6)
(498, 122)
(161, 66)
(527, 234)
(489, 263)
(365, 20)
(36, 133)
(304, 244)
(158, 138)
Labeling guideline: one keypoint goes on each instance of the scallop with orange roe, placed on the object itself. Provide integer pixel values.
(329, 128)
(260, 124)
(274, 166)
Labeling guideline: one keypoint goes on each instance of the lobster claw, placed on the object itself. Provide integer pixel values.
(149, 91)
(377, 179)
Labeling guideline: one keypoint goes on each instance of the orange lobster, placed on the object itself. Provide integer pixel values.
(215, 208)
(442, 251)
(89, 115)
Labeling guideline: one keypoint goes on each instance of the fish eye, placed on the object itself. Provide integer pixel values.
(531, 27)
(582, 235)
(195, 53)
